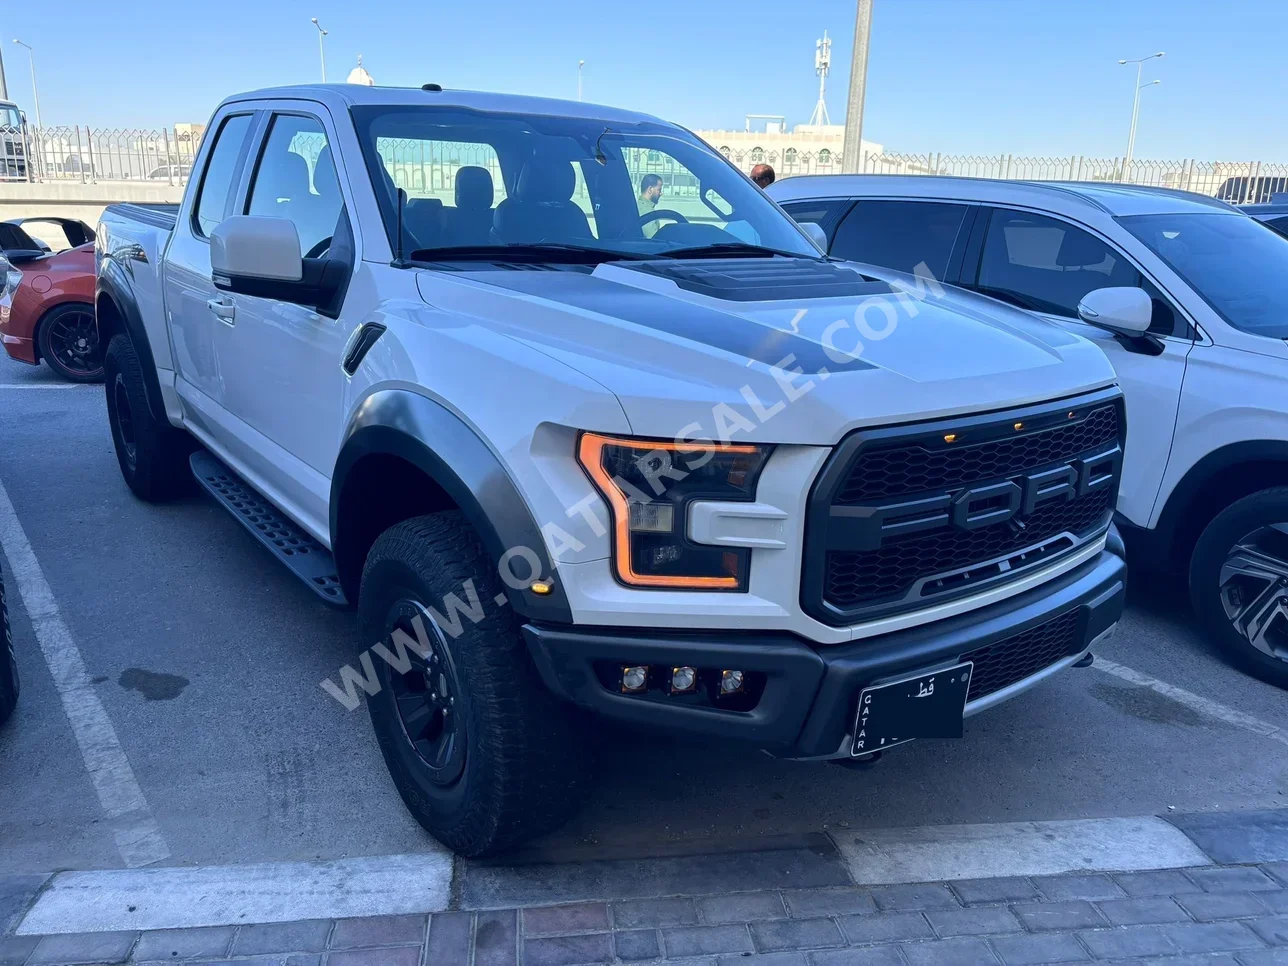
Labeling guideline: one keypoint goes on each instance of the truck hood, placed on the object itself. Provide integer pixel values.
(772, 350)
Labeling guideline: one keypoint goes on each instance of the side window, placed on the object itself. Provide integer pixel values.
(900, 234)
(295, 179)
(212, 196)
(821, 213)
(1047, 265)
(1279, 224)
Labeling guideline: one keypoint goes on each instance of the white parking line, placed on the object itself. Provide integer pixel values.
(138, 837)
(169, 898)
(1194, 702)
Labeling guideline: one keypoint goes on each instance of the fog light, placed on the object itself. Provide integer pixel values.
(634, 679)
(683, 679)
(730, 682)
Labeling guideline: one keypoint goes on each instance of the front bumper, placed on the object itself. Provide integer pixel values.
(808, 704)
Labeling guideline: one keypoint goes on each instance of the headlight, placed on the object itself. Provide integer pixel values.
(649, 486)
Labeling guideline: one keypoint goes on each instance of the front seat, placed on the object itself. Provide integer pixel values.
(471, 222)
(541, 209)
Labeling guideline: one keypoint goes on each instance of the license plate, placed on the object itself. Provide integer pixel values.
(924, 706)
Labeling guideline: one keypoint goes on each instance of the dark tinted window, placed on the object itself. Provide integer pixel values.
(295, 179)
(900, 235)
(219, 172)
(821, 213)
(1279, 224)
(1047, 265)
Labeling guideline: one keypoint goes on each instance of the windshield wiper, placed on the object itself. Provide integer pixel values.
(730, 250)
(544, 252)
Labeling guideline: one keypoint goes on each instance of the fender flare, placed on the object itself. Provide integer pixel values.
(415, 428)
(1172, 520)
(114, 283)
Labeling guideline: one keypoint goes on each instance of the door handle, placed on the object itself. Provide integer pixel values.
(225, 310)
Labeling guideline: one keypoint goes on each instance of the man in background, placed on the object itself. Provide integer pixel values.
(650, 195)
(763, 175)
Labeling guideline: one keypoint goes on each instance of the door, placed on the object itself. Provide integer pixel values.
(1047, 265)
(195, 308)
(281, 361)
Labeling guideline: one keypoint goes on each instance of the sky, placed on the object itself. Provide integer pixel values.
(1022, 77)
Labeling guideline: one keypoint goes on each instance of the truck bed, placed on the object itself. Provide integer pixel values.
(158, 215)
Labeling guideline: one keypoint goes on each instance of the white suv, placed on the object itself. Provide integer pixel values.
(1203, 485)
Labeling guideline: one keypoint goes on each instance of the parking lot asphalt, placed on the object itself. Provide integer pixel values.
(207, 657)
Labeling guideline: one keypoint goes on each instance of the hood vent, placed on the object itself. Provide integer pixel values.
(762, 279)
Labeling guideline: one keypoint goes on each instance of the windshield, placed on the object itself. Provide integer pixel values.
(9, 117)
(477, 179)
(1238, 265)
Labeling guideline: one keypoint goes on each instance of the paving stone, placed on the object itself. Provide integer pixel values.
(1273, 929)
(376, 931)
(1211, 937)
(17, 892)
(1050, 948)
(913, 898)
(565, 920)
(184, 943)
(293, 959)
(764, 959)
(1071, 914)
(449, 937)
(1002, 889)
(305, 936)
(1274, 901)
(982, 921)
(496, 938)
(560, 951)
(1207, 906)
(637, 944)
(1212, 959)
(1235, 837)
(796, 934)
(15, 950)
(88, 947)
(950, 952)
(869, 956)
(1168, 882)
(654, 913)
(1238, 878)
(745, 907)
(706, 940)
(1277, 870)
(1090, 887)
(1136, 912)
(1262, 957)
(805, 903)
(891, 927)
(1127, 942)
(384, 956)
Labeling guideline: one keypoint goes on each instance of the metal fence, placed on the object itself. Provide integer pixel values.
(83, 154)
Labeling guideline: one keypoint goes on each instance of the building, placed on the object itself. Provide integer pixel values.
(805, 149)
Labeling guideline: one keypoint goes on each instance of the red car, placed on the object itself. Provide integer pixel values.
(47, 300)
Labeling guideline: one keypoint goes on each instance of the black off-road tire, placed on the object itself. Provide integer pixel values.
(153, 455)
(8, 663)
(525, 752)
(1231, 525)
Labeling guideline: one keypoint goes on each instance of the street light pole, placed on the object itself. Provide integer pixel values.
(1135, 107)
(4, 88)
(321, 47)
(35, 97)
(580, 65)
(851, 148)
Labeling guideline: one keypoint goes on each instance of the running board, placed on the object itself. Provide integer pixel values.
(304, 556)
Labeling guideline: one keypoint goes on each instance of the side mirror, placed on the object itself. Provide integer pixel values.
(254, 255)
(816, 234)
(1126, 310)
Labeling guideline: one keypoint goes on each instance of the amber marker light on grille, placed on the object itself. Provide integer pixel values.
(648, 518)
(1018, 427)
(950, 437)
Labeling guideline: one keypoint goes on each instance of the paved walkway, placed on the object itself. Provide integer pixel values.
(1230, 914)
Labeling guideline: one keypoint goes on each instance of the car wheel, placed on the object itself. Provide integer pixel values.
(153, 455)
(482, 754)
(8, 663)
(1239, 583)
(68, 341)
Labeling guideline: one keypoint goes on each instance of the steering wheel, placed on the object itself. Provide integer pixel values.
(666, 213)
(317, 250)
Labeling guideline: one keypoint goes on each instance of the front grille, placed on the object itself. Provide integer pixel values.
(861, 561)
(1001, 664)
